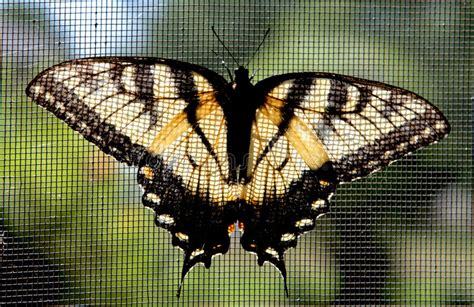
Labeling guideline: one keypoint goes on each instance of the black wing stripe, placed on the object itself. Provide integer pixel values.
(337, 97)
(392, 106)
(143, 91)
(81, 117)
(267, 149)
(364, 98)
(144, 81)
(188, 91)
(368, 159)
(295, 95)
(90, 80)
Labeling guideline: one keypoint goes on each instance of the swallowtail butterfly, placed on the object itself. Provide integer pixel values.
(212, 154)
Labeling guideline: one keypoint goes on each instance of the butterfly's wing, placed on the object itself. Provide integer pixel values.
(313, 131)
(120, 103)
(163, 116)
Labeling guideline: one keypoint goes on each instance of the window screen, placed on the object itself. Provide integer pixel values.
(73, 229)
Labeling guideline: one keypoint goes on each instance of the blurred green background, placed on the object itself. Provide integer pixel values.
(72, 226)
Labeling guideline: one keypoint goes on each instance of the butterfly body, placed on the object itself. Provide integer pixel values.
(239, 107)
(212, 153)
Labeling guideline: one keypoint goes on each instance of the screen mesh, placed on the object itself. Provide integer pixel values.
(73, 229)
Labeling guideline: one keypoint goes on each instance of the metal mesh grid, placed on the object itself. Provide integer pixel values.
(74, 231)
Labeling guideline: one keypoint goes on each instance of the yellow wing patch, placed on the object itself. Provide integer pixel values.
(179, 124)
(298, 133)
(272, 169)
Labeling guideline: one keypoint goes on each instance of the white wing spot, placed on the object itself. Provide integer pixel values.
(382, 95)
(60, 107)
(113, 149)
(153, 198)
(182, 236)
(287, 237)
(388, 154)
(401, 147)
(427, 132)
(272, 252)
(440, 125)
(407, 113)
(353, 96)
(49, 97)
(83, 126)
(217, 246)
(163, 83)
(304, 223)
(37, 90)
(165, 219)
(372, 164)
(415, 139)
(100, 67)
(97, 137)
(63, 75)
(318, 94)
(71, 116)
(196, 253)
(128, 79)
(318, 204)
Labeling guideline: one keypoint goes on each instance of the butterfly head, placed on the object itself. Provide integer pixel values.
(242, 75)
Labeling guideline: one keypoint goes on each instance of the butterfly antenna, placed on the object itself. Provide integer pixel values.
(258, 47)
(254, 73)
(225, 65)
(225, 47)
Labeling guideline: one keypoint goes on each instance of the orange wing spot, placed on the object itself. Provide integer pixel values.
(147, 172)
(231, 229)
(324, 183)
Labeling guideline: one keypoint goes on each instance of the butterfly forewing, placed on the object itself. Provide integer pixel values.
(120, 104)
(362, 125)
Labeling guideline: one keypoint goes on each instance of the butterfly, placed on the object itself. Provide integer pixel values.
(214, 155)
